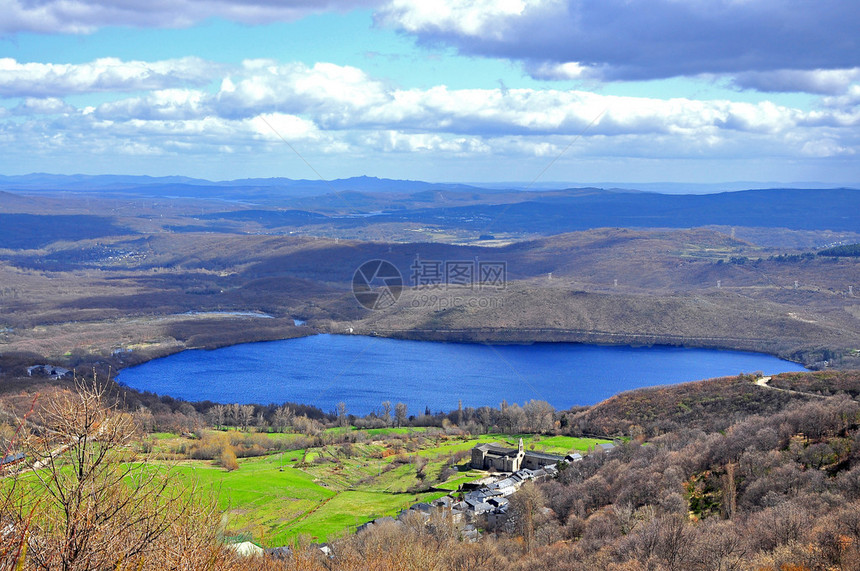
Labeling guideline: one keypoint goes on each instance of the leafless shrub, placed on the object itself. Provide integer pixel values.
(88, 502)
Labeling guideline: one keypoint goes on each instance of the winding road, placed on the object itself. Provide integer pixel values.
(763, 382)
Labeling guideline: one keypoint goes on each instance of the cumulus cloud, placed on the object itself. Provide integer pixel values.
(342, 97)
(822, 148)
(101, 75)
(176, 104)
(331, 92)
(86, 16)
(767, 45)
(851, 98)
(276, 126)
(341, 110)
(640, 39)
(473, 18)
(561, 71)
(43, 106)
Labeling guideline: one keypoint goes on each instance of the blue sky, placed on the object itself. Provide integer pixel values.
(628, 91)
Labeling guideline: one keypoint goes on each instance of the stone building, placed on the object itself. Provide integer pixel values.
(486, 456)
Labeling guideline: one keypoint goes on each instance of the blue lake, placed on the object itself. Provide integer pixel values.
(363, 372)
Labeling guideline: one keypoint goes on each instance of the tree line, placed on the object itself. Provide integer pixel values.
(777, 491)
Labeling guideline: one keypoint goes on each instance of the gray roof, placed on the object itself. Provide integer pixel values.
(444, 501)
(495, 449)
(543, 456)
(483, 507)
(283, 552)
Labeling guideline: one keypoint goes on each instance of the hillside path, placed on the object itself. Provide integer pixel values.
(763, 382)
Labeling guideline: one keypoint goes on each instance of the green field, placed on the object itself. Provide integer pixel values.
(327, 491)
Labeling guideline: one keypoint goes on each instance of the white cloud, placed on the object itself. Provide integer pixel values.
(342, 97)
(767, 45)
(562, 71)
(391, 141)
(851, 98)
(335, 111)
(101, 75)
(43, 106)
(825, 148)
(279, 126)
(161, 104)
(330, 91)
(477, 17)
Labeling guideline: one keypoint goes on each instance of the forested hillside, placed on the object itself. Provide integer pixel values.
(733, 473)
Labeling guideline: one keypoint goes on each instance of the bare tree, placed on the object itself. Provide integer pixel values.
(242, 414)
(13, 540)
(512, 419)
(539, 415)
(342, 419)
(386, 412)
(730, 492)
(525, 511)
(283, 418)
(93, 505)
(218, 415)
(400, 414)
(233, 414)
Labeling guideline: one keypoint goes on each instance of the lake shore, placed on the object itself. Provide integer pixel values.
(364, 371)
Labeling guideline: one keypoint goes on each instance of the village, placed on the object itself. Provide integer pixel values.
(476, 507)
(483, 504)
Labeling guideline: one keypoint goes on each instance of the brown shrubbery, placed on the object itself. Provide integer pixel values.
(82, 499)
(243, 444)
(775, 491)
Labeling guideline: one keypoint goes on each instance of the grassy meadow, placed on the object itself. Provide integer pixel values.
(326, 491)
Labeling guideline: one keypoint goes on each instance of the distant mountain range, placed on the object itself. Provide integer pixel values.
(81, 182)
(796, 209)
(570, 210)
(200, 188)
(353, 202)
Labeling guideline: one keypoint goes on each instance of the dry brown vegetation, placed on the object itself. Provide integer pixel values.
(776, 491)
(755, 478)
(711, 405)
(80, 301)
(77, 298)
(82, 499)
